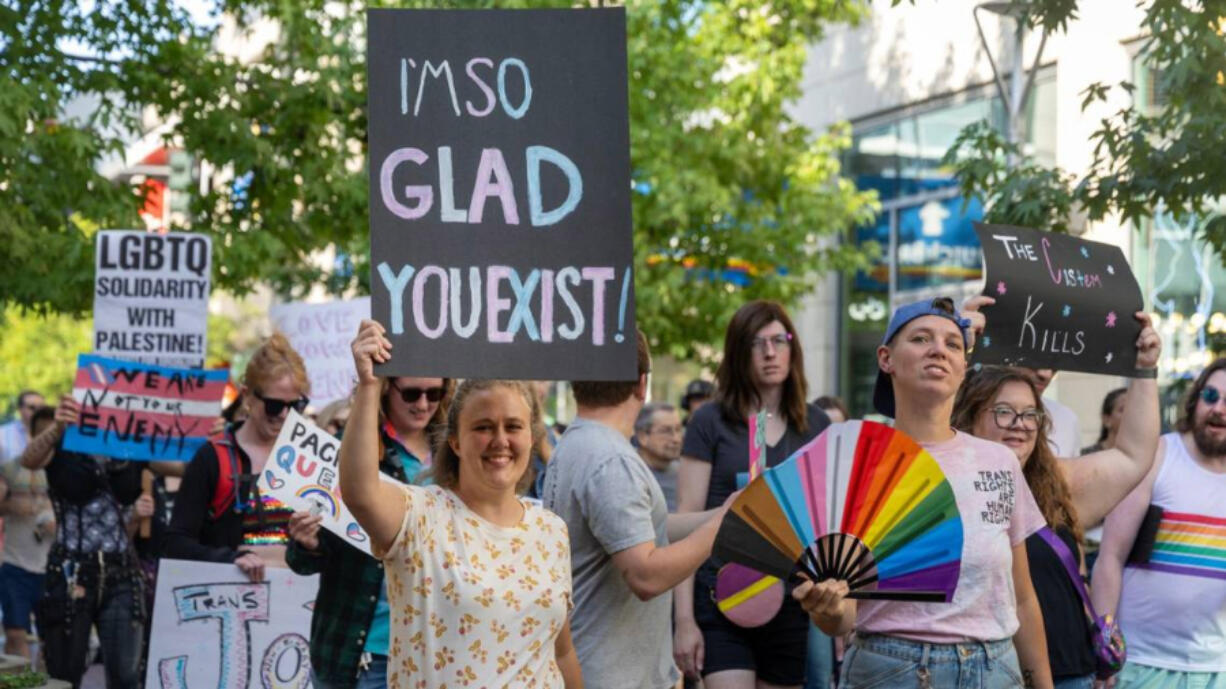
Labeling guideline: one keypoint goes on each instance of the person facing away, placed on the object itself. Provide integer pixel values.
(990, 634)
(623, 565)
(762, 370)
(478, 578)
(350, 624)
(1170, 594)
(1002, 405)
(657, 434)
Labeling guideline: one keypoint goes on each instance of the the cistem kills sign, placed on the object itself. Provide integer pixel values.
(1061, 302)
(500, 193)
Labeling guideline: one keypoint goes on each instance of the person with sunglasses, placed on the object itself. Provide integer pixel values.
(1003, 405)
(219, 514)
(1162, 564)
(350, 625)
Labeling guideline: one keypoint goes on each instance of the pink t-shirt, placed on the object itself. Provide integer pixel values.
(998, 512)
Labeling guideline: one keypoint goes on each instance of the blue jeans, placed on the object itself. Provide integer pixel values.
(820, 661)
(1086, 682)
(878, 661)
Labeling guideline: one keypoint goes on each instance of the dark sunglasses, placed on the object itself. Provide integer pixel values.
(274, 407)
(411, 395)
(1210, 395)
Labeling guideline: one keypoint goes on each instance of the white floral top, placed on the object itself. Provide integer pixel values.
(474, 604)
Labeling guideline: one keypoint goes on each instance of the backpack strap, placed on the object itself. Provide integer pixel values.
(225, 493)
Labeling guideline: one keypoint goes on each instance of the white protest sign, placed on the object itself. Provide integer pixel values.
(305, 475)
(321, 333)
(204, 636)
(151, 296)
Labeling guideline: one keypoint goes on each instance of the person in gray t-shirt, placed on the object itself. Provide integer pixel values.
(622, 564)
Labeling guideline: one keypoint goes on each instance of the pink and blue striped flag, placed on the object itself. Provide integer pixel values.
(143, 412)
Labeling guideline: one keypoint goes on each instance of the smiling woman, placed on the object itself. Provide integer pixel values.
(467, 548)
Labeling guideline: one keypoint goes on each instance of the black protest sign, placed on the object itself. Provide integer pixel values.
(500, 193)
(1061, 302)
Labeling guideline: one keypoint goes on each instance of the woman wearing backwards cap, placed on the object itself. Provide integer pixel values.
(991, 634)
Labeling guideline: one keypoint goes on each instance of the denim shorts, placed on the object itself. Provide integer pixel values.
(19, 590)
(879, 661)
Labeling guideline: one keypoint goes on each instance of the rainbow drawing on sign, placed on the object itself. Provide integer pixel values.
(1190, 544)
(321, 497)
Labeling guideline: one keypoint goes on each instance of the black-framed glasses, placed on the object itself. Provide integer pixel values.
(274, 407)
(1210, 395)
(780, 341)
(411, 395)
(1005, 417)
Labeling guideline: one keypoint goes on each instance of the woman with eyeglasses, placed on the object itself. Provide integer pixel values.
(1002, 405)
(350, 625)
(762, 369)
(219, 514)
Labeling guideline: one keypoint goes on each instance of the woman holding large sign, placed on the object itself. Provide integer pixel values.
(991, 634)
(1002, 405)
(478, 580)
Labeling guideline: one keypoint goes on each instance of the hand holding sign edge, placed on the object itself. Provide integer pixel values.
(370, 347)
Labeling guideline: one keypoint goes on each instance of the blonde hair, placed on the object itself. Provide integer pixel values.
(445, 470)
(274, 360)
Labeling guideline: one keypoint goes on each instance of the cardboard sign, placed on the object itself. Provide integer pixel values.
(1061, 302)
(216, 629)
(141, 411)
(151, 296)
(322, 333)
(304, 473)
(500, 193)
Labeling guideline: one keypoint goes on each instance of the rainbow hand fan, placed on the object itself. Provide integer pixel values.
(862, 503)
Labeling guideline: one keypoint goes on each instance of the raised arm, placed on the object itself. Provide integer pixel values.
(41, 448)
(378, 506)
(1099, 481)
(1119, 533)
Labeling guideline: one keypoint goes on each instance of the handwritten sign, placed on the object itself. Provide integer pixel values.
(217, 629)
(322, 333)
(305, 474)
(1061, 302)
(500, 193)
(151, 296)
(140, 411)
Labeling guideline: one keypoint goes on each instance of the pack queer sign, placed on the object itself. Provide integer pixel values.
(140, 411)
(151, 296)
(1061, 302)
(321, 333)
(218, 630)
(304, 473)
(500, 225)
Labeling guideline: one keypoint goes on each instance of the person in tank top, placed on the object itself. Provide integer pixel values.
(1170, 595)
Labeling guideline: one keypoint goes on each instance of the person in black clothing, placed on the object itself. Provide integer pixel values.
(93, 576)
(219, 514)
(762, 369)
(1003, 405)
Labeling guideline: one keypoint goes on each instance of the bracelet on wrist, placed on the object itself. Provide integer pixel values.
(1146, 373)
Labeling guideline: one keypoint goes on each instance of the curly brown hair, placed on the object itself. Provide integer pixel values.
(1042, 473)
